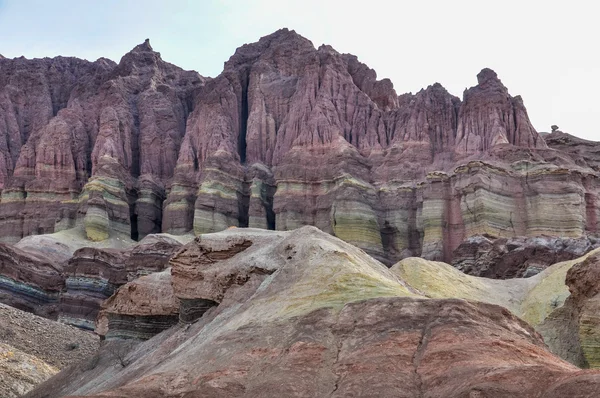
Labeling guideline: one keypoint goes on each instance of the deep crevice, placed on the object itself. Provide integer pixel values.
(134, 227)
(133, 217)
(244, 205)
(135, 145)
(243, 119)
(269, 207)
(388, 240)
(420, 351)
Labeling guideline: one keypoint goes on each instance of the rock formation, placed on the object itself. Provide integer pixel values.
(140, 309)
(303, 313)
(55, 277)
(93, 275)
(573, 327)
(101, 155)
(92, 143)
(519, 256)
(30, 281)
(583, 284)
(287, 135)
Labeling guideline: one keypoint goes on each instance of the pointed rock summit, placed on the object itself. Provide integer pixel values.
(487, 76)
(145, 46)
(489, 116)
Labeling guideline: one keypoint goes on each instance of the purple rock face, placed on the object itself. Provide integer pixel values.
(287, 135)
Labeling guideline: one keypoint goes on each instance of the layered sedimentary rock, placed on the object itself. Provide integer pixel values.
(30, 280)
(67, 277)
(518, 256)
(150, 255)
(34, 272)
(92, 143)
(140, 309)
(92, 275)
(287, 135)
(196, 282)
(542, 300)
(303, 313)
(586, 154)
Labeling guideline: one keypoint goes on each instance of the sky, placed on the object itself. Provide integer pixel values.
(545, 51)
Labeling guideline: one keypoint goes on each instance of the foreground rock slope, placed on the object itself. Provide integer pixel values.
(304, 314)
(32, 349)
(287, 135)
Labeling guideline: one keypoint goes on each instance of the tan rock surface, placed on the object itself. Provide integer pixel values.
(20, 372)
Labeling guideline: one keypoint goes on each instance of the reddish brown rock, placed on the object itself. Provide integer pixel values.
(92, 275)
(287, 135)
(150, 255)
(490, 116)
(583, 152)
(30, 281)
(113, 122)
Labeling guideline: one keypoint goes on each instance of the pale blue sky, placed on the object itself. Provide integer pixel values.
(547, 51)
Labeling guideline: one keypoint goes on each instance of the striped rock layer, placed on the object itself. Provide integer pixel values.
(93, 275)
(287, 135)
(30, 281)
(45, 277)
(140, 309)
(214, 266)
(303, 313)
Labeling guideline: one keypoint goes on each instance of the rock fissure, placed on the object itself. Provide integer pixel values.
(335, 363)
(420, 351)
(244, 112)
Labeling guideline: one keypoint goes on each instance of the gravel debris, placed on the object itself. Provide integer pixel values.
(53, 342)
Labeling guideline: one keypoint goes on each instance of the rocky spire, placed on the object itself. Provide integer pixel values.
(490, 116)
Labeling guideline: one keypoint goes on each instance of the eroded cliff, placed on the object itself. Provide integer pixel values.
(287, 135)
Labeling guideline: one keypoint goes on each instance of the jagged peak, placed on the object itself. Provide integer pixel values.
(105, 62)
(328, 49)
(437, 87)
(280, 38)
(2, 56)
(487, 80)
(284, 34)
(144, 47)
(140, 56)
(486, 75)
(436, 90)
(141, 51)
